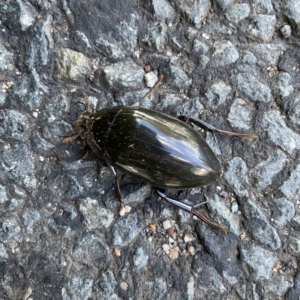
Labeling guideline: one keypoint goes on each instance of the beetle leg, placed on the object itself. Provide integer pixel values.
(215, 225)
(85, 155)
(191, 209)
(157, 84)
(216, 141)
(122, 209)
(87, 102)
(213, 129)
(199, 204)
(71, 138)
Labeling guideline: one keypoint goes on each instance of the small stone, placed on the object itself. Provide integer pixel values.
(292, 11)
(3, 254)
(282, 87)
(95, 215)
(147, 68)
(127, 209)
(167, 224)
(156, 36)
(237, 176)
(123, 74)
(276, 267)
(248, 85)
(259, 261)
(265, 171)
(71, 65)
(284, 213)
(174, 253)
(191, 250)
(225, 53)
(148, 212)
(199, 47)
(126, 229)
(187, 238)
(286, 31)
(294, 245)
(223, 3)
(140, 258)
(263, 27)
(240, 114)
(217, 93)
(171, 231)
(122, 211)
(151, 79)
(117, 252)
(152, 227)
(179, 78)
(238, 12)
(243, 236)
(166, 248)
(124, 286)
(279, 133)
(109, 47)
(234, 207)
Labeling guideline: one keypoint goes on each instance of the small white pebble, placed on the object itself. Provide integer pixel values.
(124, 285)
(166, 248)
(150, 79)
(167, 224)
(191, 250)
(122, 211)
(117, 252)
(174, 253)
(206, 36)
(187, 238)
(234, 207)
(127, 209)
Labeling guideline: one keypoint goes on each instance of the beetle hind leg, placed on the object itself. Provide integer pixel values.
(191, 209)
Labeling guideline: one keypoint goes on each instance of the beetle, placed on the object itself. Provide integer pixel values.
(157, 148)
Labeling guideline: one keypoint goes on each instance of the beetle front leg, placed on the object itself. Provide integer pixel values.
(71, 138)
(122, 208)
(157, 84)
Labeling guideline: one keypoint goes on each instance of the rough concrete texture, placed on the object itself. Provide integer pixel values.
(234, 64)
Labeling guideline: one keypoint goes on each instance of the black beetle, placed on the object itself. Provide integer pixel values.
(152, 146)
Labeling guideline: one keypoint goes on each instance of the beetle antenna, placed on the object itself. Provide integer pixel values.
(157, 84)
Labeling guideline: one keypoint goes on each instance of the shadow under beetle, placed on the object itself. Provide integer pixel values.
(152, 146)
